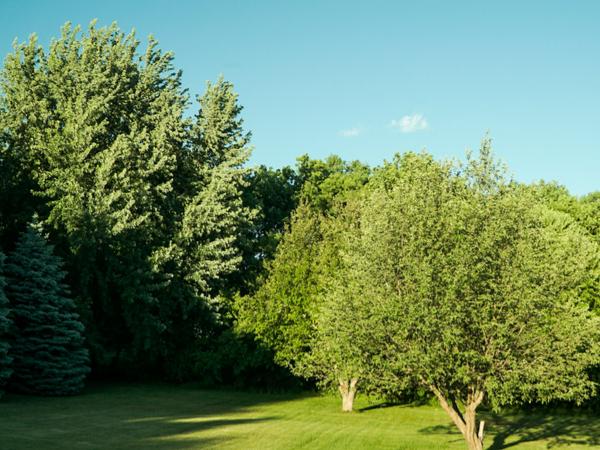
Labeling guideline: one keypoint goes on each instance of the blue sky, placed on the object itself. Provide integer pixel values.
(367, 79)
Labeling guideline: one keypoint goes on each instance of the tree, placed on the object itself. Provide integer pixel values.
(143, 203)
(214, 214)
(585, 211)
(95, 128)
(203, 252)
(273, 193)
(324, 182)
(5, 328)
(48, 350)
(478, 293)
(302, 311)
(589, 217)
(287, 312)
(281, 312)
(337, 353)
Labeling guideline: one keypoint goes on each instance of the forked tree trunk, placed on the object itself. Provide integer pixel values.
(467, 422)
(348, 392)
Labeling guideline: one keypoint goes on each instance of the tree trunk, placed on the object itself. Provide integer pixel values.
(473, 438)
(348, 392)
(467, 422)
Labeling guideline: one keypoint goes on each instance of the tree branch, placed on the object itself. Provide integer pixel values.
(455, 415)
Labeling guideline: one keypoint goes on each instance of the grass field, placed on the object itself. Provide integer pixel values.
(180, 417)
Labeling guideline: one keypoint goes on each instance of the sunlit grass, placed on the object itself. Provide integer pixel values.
(178, 417)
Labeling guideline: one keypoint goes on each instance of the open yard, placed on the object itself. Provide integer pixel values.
(179, 417)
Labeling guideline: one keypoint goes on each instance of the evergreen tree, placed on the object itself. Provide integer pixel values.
(5, 324)
(48, 352)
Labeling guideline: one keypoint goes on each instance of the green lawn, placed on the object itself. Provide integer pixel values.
(178, 417)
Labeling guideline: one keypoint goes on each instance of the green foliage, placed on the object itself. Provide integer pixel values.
(5, 328)
(273, 192)
(143, 203)
(326, 181)
(97, 127)
(231, 359)
(215, 213)
(337, 350)
(416, 273)
(479, 292)
(48, 346)
(589, 217)
(280, 314)
(203, 249)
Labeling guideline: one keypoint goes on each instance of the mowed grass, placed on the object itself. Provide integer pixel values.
(150, 416)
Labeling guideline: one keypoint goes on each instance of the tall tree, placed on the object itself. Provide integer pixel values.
(143, 203)
(48, 350)
(337, 354)
(204, 248)
(274, 194)
(5, 328)
(281, 313)
(215, 212)
(284, 311)
(479, 293)
(97, 128)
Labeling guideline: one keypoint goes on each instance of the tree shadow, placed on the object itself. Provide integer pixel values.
(132, 416)
(555, 428)
(558, 428)
(397, 402)
(381, 405)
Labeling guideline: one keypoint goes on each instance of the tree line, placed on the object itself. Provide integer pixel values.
(439, 277)
(140, 243)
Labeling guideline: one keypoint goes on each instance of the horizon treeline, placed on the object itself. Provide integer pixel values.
(168, 257)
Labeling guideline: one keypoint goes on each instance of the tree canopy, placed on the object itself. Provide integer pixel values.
(478, 289)
(143, 203)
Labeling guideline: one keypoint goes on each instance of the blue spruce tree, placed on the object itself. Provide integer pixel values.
(49, 357)
(5, 323)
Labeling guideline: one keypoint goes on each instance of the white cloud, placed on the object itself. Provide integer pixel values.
(350, 132)
(410, 124)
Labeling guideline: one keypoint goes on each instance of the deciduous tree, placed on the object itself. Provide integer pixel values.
(479, 296)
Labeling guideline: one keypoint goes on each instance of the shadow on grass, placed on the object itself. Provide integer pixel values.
(396, 403)
(131, 417)
(558, 429)
(553, 428)
(378, 406)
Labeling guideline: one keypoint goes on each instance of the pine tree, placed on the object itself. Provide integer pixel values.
(5, 323)
(48, 351)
